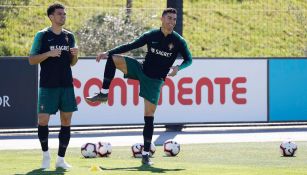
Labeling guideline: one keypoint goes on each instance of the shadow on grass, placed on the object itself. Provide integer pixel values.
(143, 168)
(40, 171)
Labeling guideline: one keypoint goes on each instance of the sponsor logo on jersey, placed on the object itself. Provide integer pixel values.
(66, 48)
(160, 52)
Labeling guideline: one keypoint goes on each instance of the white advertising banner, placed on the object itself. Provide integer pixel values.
(225, 90)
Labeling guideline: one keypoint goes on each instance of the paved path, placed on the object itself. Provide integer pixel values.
(187, 136)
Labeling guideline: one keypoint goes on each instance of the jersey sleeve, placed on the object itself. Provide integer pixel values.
(72, 42)
(139, 42)
(37, 43)
(186, 54)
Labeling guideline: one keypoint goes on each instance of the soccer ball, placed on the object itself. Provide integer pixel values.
(88, 150)
(171, 147)
(139, 147)
(288, 148)
(104, 149)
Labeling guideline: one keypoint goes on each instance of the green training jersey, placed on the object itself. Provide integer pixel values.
(162, 52)
(55, 72)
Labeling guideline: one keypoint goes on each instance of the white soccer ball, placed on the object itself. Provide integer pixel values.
(88, 150)
(171, 147)
(139, 147)
(104, 149)
(288, 148)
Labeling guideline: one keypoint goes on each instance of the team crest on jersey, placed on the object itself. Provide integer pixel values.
(170, 46)
(66, 38)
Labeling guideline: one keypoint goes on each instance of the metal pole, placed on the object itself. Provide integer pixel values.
(178, 5)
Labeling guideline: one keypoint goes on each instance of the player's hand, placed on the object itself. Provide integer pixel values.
(175, 69)
(103, 55)
(74, 51)
(54, 53)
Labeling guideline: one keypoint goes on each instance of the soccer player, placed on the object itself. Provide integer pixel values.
(55, 50)
(163, 46)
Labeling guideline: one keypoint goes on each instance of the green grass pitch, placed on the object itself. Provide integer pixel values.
(194, 159)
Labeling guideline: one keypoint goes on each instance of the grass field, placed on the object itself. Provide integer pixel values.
(213, 28)
(196, 159)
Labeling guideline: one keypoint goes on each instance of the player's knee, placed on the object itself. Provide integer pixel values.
(150, 113)
(66, 118)
(43, 122)
(120, 63)
(118, 60)
(65, 122)
(117, 57)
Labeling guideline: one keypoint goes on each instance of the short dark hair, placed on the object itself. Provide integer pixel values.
(53, 7)
(169, 10)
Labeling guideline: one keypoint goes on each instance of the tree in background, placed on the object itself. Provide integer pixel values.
(106, 31)
(128, 9)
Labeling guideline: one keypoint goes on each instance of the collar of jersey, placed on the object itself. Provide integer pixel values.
(166, 35)
(49, 29)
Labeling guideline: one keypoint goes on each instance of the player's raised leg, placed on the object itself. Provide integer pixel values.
(64, 137)
(113, 62)
(148, 130)
(43, 132)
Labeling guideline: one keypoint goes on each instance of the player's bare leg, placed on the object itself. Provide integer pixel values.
(64, 137)
(149, 111)
(43, 132)
(113, 62)
(120, 63)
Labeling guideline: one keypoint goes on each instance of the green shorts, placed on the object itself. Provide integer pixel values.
(50, 100)
(149, 88)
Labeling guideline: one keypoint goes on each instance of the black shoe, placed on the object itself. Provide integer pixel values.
(98, 97)
(146, 160)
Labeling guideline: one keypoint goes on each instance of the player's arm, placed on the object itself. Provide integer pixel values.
(186, 54)
(36, 59)
(187, 59)
(74, 52)
(35, 56)
(139, 42)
